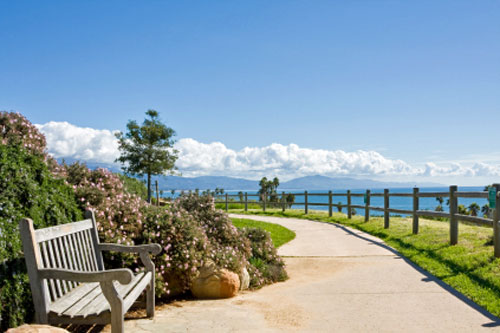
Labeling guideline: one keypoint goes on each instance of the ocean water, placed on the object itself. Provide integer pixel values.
(394, 202)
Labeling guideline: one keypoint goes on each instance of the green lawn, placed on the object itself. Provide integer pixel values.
(279, 234)
(469, 267)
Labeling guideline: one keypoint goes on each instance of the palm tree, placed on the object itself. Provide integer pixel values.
(473, 209)
(485, 210)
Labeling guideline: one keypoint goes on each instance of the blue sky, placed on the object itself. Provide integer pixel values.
(413, 81)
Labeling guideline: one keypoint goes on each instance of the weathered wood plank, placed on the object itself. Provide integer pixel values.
(75, 253)
(472, 195)
(432, 213)
(47, 264)
(45, 234)
(68, 300)
(433, 194)
(61, 285)
(400, 211)
(33, 259)
(475, 219)
(89, 214)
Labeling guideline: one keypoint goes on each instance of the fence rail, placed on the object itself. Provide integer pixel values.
(452, 195)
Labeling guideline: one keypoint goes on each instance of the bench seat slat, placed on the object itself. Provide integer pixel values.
(88, 299)
(137, 284)
(45, 234)
(69, 300)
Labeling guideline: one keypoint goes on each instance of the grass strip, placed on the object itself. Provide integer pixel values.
(468, 267)
(279, 234)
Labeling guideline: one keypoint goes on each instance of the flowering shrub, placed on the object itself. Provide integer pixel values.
(191, 230)
(27, 189)
(16, 130)
(265, 265)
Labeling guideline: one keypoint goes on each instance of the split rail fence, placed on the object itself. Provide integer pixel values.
(453, 215)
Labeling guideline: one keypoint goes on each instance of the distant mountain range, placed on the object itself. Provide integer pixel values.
(302, 183)
(232, 184)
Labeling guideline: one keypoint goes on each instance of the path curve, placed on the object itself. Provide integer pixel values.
(341, 280)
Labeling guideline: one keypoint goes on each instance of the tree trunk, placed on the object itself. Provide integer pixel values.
(149, 187)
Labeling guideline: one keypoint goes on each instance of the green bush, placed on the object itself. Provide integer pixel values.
(28, 189)
(191, 230)
(265, 265)
(134, 186)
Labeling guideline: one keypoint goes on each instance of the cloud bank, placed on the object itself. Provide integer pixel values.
(65, 140)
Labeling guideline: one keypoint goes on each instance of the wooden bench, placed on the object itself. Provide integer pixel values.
(68, 280)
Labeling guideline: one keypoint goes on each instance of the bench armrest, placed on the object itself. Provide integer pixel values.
(144, 248)
(122, 275)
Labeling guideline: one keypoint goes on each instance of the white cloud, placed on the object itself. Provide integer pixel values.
(198, 158)
(286, 161)
(82, 143)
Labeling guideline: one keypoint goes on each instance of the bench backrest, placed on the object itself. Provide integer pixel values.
(71, 246)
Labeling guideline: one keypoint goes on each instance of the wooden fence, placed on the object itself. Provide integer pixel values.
(453, 194)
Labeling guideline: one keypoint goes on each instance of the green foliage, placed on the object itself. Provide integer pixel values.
(265, 264)
(268, 190)
(134, 186)
(28, 189)
(147, 149)
(279, 234)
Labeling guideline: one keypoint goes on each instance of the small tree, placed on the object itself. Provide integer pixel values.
(473, 209)
(147, 149)
(485, 209)
(268, 188)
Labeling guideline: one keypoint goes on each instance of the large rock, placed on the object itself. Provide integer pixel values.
(36, 329)
(215, 283)
(244, 279)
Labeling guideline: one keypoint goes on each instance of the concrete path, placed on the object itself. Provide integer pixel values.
(341, 280)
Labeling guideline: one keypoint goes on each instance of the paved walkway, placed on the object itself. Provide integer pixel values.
(341, 280)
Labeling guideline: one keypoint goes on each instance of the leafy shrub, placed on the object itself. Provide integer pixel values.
(28, 189)
(191, 230)
(265, 265)
(134, 186)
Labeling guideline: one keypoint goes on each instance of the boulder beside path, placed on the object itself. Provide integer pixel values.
(213, 282)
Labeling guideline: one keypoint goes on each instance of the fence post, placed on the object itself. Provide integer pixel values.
(453, 217)
(367, 206)
(349, 213)
(415, 208)
(386, 208)
(330, 203)
(157, 194)
(227, 202)
(306, 209)
(283, 199)
(264, 202)
(496, 221)
(246, 202)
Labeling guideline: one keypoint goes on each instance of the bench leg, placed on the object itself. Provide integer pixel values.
(116, 302)
(150, 298)
(150, 290)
